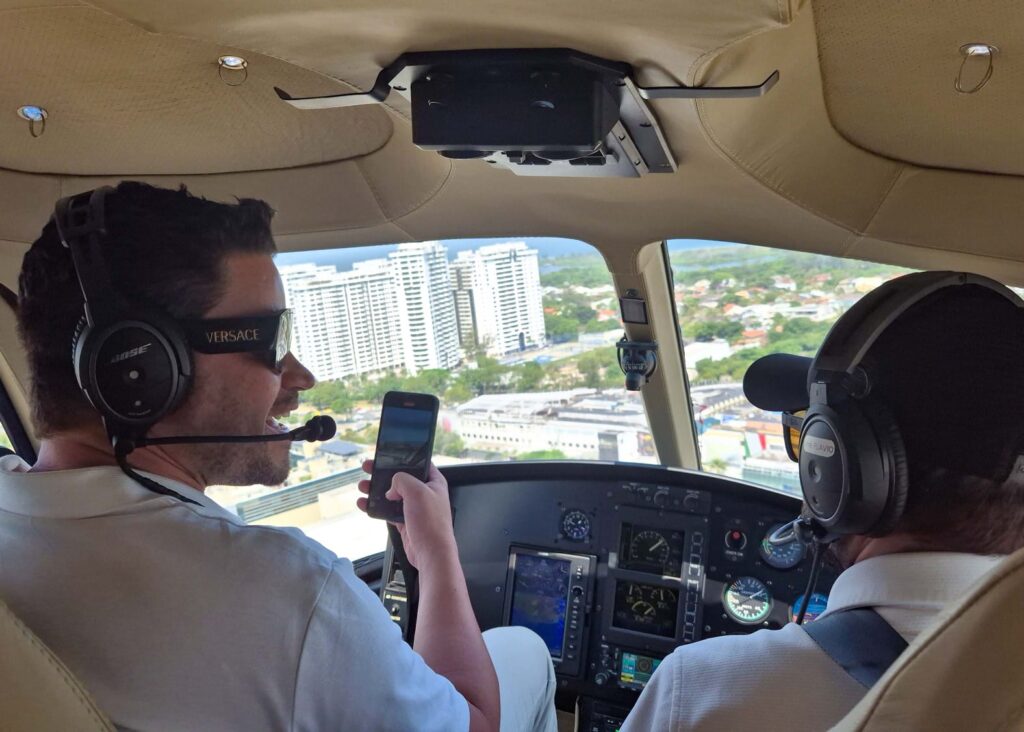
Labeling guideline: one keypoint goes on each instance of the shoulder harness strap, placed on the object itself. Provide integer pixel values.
(860, 641)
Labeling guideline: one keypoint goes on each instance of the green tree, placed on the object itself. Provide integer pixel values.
(529, 376)
(429, 381)
(601, 326)
(716, 465)
(486, 378)
(708, 330)
(560, 328)
(589, 366)
(448, 443)
(582, 313)
(458, 392)
(542, 455)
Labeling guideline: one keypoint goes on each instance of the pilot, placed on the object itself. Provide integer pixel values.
(912, 468)
(172, 611)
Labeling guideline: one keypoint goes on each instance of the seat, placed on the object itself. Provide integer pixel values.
(37, 692)
(964, 673)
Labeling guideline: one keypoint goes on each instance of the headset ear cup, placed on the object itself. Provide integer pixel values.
(79, 359)
(885, 424)
(134, 371)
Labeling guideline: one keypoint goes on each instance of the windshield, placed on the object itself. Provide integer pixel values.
(739, 302)
(516, 337)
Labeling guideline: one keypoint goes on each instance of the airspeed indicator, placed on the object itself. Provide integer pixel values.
(747, 601)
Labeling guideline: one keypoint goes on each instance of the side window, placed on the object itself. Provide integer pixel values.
(737, 303)
(515, 337)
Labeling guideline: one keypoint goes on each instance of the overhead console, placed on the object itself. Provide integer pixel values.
(535, 111)
(614, 566)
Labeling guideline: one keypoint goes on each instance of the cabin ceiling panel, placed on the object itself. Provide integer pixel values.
(889, 72)
(353, 39)
(122, 100)
(787, 142)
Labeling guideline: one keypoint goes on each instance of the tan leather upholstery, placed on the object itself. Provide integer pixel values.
(966, 673)
(37, 692)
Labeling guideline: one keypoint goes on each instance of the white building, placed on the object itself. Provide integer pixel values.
(580, 423)
(497, 298)
(346, 322)
(714, 350)
(429, 334)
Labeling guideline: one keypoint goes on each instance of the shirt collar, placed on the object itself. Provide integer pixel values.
(85, 492)
(913, 580)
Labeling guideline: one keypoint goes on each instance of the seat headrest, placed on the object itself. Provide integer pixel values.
(965, 672)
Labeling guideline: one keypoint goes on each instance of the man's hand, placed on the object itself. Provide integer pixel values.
(427, 533)
(447, 634)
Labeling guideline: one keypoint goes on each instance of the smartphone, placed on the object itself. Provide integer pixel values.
(405, 442)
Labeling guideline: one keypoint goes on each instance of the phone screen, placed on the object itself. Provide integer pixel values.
(405, 442)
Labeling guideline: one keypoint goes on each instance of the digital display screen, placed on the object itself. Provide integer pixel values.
(651, 549)
(646, 608)
(540, 595)
(636, 670)
(403, 439)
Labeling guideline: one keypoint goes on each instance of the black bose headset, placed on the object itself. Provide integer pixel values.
(853, 464)
(133, 366)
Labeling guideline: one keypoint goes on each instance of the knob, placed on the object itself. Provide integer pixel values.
(691, 503)
(661, 497)
(601, 678)
(735, 540)
(577, 590)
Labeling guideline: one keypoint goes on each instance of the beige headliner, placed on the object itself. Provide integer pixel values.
(831, 160)
(131, 86)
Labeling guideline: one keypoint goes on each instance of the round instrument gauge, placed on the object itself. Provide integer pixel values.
(781, 556)
(646, 608)
(818, 605)
(649, 546)
(575, 525)
(747, 601)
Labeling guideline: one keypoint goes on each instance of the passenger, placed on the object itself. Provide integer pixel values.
(174, 613)
(949, 371)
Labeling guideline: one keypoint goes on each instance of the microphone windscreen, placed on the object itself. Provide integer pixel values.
(320, 428)
(778, 382)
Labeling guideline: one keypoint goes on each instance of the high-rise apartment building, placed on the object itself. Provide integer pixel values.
(425, 308)
(497, 298)
(345, 322)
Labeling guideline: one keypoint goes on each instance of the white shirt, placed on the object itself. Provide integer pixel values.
(177, 616)
(781, 679)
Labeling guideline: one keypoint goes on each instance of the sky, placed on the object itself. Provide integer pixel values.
(548, 247)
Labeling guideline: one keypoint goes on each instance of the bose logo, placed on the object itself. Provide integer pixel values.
(131, 353)
(819, 446)
(233, 336)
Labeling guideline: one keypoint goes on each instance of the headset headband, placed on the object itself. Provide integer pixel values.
(81, 225)
(852, 336)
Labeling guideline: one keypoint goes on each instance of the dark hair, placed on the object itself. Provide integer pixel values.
(950, 370)
(165, 251)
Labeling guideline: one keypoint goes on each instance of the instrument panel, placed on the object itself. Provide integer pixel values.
(616, 565)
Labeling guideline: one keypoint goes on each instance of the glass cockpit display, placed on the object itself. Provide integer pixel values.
(648, 549)
(540, 595)
(635, 670)
(646, 608)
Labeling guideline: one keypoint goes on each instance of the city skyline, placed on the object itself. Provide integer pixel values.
(414, 309)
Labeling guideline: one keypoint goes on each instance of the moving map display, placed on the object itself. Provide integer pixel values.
(540, 598)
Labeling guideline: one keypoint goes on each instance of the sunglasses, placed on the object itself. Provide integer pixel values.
(792, 423)
(267, 336)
